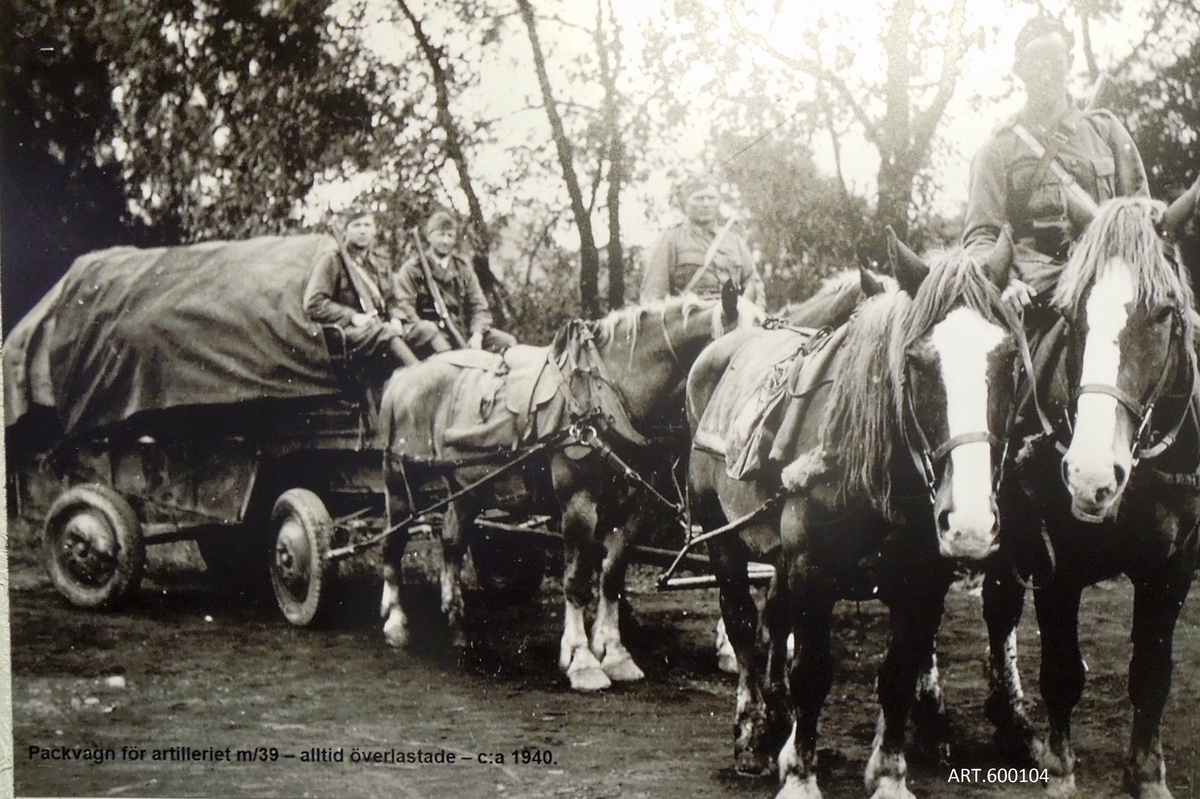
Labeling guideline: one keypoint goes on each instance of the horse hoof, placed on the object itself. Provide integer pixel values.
(752, 764)
(622, 670)
(395, 633)
(892, 788)
(1061, 787)
(727, 663)
(1150, 790)
(589, 679)
(799, 788)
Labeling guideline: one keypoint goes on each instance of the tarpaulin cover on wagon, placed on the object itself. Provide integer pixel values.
(129, 330)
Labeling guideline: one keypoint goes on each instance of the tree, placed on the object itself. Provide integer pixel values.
(897, 109)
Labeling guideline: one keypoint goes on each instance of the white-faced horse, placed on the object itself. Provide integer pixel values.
(1117, 380)
(894, 483)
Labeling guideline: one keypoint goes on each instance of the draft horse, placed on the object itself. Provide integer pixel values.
(641, 356)
(899, 455)
(1117, 378)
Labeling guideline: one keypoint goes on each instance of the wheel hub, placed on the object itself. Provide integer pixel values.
(293, 556)
(89, 548)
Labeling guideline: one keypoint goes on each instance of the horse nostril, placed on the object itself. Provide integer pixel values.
(1119, 473)
(943, 520)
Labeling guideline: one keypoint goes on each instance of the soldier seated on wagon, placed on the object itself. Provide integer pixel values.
(351, 291)
(439, 297)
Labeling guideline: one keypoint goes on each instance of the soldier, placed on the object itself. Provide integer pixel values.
(1046, 169)
(351, 288)
(439, 297)
(697, 255)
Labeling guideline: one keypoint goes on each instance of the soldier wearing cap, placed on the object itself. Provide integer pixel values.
(439, 298)
(1011, 182)
(699, 255)
(351, 288)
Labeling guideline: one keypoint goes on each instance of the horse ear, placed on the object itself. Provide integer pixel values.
(907, 266)
(870, 286)
(729, 301)
(1181, 209)
(999, 261)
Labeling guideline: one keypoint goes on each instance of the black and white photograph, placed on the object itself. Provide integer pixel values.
(600, 399)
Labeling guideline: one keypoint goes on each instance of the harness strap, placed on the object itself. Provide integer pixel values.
(959, 440)
(1134, 407)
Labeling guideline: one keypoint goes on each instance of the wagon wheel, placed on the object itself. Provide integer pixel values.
(93, 546)
(508, 565)
(300, 574)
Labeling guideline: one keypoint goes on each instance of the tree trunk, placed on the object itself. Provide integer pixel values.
(497, 295)
(615, 152)
(589, 256)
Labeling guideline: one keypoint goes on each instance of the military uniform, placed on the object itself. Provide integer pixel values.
(680, 251)
(465, 302)
(332, 297)
(1096, 151)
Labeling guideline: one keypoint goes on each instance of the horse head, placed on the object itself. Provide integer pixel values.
(1127, 307)
(954, 369)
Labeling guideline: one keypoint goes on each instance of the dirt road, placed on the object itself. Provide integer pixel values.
(235, 703)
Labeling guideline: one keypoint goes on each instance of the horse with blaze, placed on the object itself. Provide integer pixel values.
(632, 366)
(1117, 379)
(896, 459)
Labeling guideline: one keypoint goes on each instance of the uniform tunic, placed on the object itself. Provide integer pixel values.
(1097, 152)
(680, 251)
(330, 297)
(459, 287)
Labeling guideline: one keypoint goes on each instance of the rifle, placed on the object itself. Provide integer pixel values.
(439, 303)
(363, 291)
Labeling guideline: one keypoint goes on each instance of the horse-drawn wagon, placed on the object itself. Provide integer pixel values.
(182, 393)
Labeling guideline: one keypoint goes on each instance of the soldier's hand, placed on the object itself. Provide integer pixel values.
(359, 320)
(476, 341)
(1019, 295)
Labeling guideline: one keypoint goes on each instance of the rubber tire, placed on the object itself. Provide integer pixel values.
(94, 509)
(300, 575)
(509, 566)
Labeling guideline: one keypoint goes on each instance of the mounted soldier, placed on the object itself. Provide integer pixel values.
(697, 256)
(1045, 171)
(351, 290)
(439, 297)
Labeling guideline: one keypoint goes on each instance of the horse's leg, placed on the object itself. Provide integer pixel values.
(916, 609)
(726, 657)
(812, 594)
(457, 527)
(395, 623)
(932, 730)
(1003, 602)
(1062, 678)
(1156, 605)
(606, 631)
(579, 518)
(728, 558)
(777, 620)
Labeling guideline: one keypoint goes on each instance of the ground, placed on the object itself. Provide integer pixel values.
(207, 669)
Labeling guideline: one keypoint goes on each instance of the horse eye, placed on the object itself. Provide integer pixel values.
(1162, 315)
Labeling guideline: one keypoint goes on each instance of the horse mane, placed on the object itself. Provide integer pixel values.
(862, 417)
(843, 287)
(859, 423)
(1125, 228)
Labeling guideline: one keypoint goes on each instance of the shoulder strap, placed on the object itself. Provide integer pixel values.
(708, 256)
(1049, 159)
